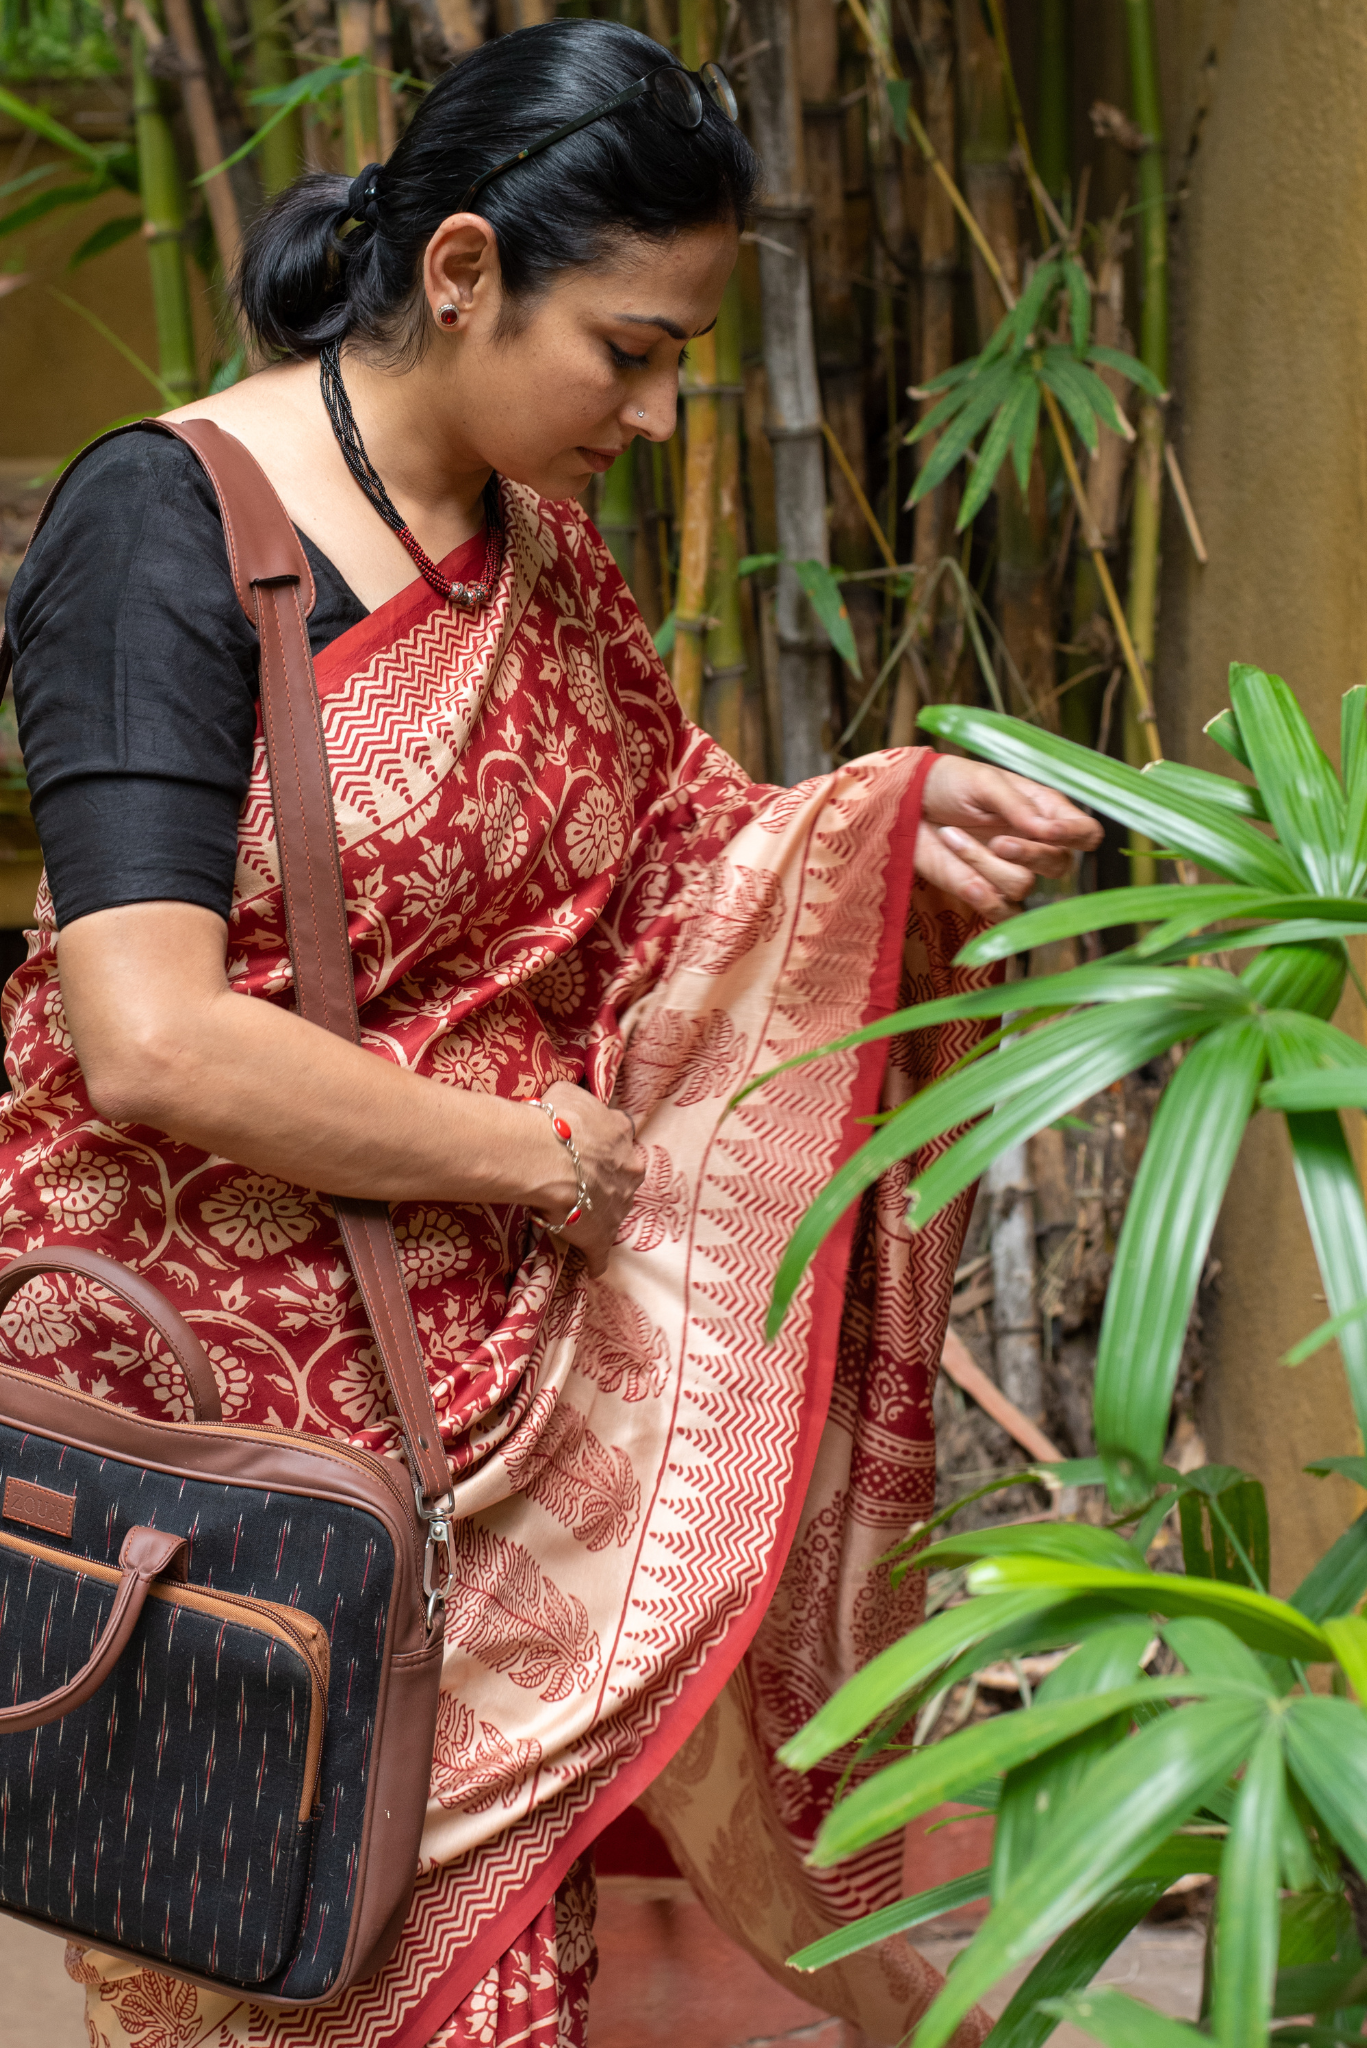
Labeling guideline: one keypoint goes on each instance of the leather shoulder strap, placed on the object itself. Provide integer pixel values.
(272, 578)
(230, 469)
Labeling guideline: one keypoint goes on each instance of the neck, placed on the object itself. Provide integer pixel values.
(434, 477)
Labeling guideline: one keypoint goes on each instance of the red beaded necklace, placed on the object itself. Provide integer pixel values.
(470, 595)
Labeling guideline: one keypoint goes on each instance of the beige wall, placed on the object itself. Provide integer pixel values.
(1270, 417)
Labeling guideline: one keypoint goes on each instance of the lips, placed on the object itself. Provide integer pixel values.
(599, 459)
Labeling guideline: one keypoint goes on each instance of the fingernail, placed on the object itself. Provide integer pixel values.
(953, 837)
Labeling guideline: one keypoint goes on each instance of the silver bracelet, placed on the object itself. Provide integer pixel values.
(582, 1203)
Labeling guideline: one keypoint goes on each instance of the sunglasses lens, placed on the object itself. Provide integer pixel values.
(719, 91)
(678, 95)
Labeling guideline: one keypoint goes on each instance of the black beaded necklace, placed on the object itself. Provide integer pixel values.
(470, 595)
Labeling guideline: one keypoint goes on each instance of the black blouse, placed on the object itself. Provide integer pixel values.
(135, 681)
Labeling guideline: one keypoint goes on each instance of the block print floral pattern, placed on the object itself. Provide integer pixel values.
(533, 843)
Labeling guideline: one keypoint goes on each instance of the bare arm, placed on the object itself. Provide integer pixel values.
(163, 1040)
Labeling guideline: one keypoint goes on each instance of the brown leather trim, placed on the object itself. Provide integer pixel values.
(139, 1294)
(263, 546)
(222, 1454)
(146, 1553)
(39, 1507)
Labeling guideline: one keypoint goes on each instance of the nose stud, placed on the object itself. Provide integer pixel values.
(640, 413)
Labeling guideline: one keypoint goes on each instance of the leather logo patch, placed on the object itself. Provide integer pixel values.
(39, 1506)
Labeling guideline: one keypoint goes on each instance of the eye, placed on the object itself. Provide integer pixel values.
(684, 358)
(623, 361)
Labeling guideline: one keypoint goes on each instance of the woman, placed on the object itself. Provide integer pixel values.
(560, 894)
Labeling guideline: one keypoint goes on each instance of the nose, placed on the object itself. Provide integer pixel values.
(652, 410)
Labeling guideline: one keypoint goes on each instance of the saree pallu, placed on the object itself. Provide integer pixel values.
(670, 1531)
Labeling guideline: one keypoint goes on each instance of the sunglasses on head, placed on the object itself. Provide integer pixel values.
(677, 93)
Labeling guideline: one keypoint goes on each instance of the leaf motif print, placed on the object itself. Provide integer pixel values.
(744, 909)
(470, 1771)
(586, 1484)
(660, 1207)
(620, 1349)
(256, 1216)
(718, 1061)
(504, 1610)
(154, 2011)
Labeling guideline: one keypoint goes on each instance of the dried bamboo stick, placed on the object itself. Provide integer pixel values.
(202, 123)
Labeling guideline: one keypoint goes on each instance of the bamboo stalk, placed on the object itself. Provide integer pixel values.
(205, 139)
(794, 423)
(360, 113)
(386, 120)
(163, 206)
(1146, 513)
(1052, 154)
(699, 504)
(617, 512)
(934, 516)
(280, 156)
(725, 650)
(1188, 510)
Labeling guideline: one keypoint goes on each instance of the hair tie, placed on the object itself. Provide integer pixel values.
(362, 199)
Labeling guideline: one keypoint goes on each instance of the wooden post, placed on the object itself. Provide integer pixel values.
(360, 114)
(794, 423)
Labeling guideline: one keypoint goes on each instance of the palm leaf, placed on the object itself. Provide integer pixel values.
(1247, 1922)
(1224, 730)
(1211, 789)
(1118, 2021)
(1337, 1582)
(1301, 791)
(1228, 844)
(1326, 1748)
(1072, 1962)
(1134, 1797)
(1190, 1154)
(912, 1912)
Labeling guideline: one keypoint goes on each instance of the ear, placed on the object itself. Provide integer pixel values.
(461, 263)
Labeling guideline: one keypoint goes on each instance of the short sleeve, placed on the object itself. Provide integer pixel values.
(135, 682)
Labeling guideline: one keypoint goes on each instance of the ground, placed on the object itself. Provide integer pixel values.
(699, 1991)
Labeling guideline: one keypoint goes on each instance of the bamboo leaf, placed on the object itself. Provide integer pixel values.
(107, 236)
(1103, 400)
(1128, 366)
(1083, 1055)
(1326, 1748)
(978, 407)
(1224, 730)
(905, 1665)
(51, 201)
(1230, 845)
(995, 446)
(1024, 436)
(824, 593)
(116, 342)
(1247, 1923)
(1071, 1963)
(1348, 1468)
(1056, 369)
(912, 1912)
(1118, 2021)
(1301, 791)
(1212, 789)
(1134, 1797)
(1177, 1193)
(1029, 310)
(1256, 1618)
(27, 178)
(901, 1791)
(42, 123)
(1079, 301)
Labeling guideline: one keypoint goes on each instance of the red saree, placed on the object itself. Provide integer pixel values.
(670, 1530)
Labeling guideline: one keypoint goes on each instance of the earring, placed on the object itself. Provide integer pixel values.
(448, 314)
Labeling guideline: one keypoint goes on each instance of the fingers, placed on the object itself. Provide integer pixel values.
(959, 873)
(991, 801)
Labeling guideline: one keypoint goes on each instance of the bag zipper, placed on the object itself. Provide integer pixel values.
(268, 1617)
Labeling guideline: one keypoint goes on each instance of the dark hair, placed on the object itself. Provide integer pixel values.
(303, 283)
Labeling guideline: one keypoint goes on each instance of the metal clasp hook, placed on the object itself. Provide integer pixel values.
(436, 1588)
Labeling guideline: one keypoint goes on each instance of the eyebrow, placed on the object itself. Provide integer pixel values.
(671, 327)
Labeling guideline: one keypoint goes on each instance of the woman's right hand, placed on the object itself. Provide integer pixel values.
(613, 1166)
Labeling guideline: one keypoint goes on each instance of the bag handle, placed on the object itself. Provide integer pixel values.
(145, 1555)
(271, 575)
(139, 1294)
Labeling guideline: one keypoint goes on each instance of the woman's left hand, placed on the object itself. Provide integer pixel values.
(985, 835)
